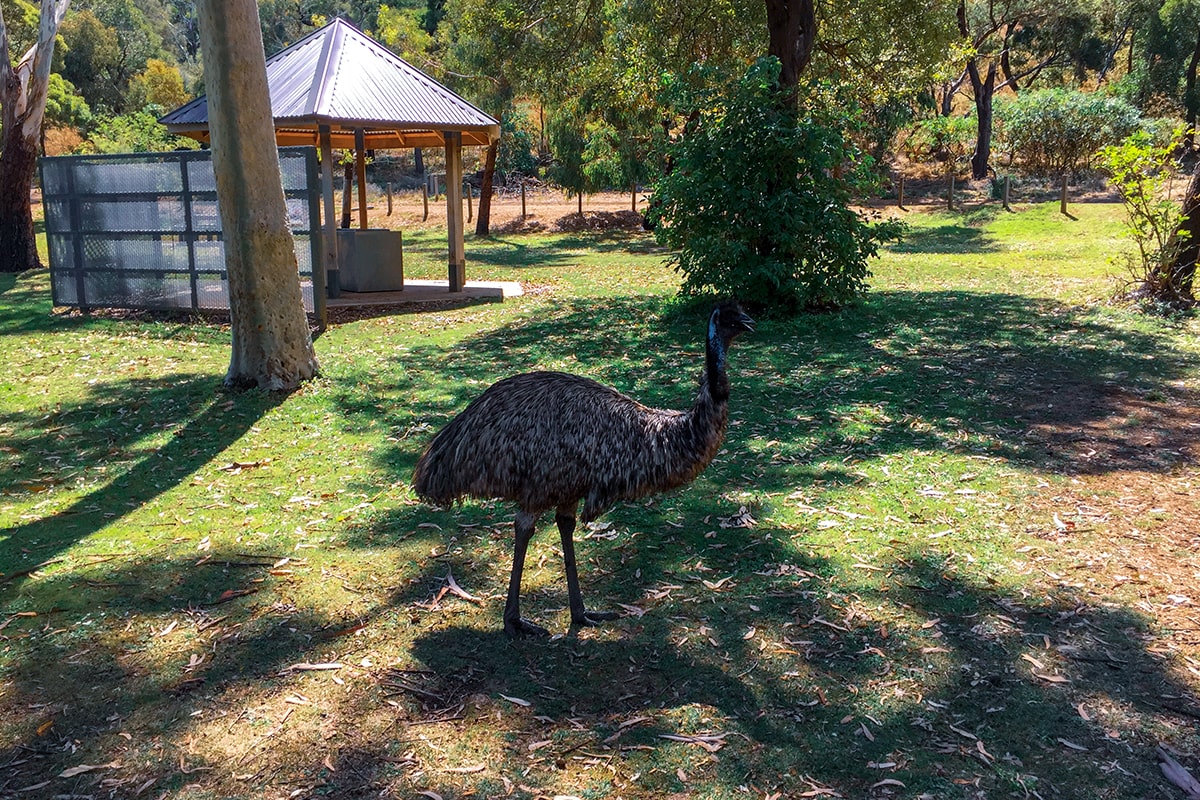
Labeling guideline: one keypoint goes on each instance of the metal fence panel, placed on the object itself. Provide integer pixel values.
(143, 231)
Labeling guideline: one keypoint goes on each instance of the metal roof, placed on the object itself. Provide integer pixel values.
(339, 76)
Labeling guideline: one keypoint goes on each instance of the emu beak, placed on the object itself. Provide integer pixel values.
(745, 321)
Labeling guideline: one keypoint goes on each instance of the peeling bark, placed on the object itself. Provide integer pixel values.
(22, 110)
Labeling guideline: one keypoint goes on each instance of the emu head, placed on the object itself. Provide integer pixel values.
(728, 321)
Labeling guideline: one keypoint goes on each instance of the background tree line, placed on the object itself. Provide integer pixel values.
(595, 94)
(579, 83)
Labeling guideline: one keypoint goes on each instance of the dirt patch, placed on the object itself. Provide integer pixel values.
(1127, 523)
(1099, 430)
(599, 221)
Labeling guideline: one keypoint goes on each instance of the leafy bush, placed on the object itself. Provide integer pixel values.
(940, 138)
(568, 142)
(1053, 131)
(516, 146)
(753, 202)
(1140, 169)
(139, 132)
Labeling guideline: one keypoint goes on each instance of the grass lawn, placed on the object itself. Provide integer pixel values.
(949, 549)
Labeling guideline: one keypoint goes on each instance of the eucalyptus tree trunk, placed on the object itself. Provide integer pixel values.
(1191, 99)
(272, 347)
(1183, 270)
(484, 220)
(22, 111)
(792, 34)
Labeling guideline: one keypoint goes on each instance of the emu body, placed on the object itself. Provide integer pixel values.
(549, 440)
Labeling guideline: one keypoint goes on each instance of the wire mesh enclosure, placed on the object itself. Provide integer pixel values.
(142, 230)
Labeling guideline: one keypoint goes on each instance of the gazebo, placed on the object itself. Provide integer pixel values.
(338, 87)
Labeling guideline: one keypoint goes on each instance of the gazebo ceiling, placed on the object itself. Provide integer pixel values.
(340, 77)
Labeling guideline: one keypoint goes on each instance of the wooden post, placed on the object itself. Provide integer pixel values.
(454, 219)
(950, 192)
(470, 210)
(633, 203)
(1007, 184)
(329, 230)
(522, 199)
(347, 189)
(360, 163)
(1062, 200)
(900, 191)
(389, 196)
(425, 201)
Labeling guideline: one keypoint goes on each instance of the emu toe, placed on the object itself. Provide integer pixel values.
(593, 617)
(520, 628)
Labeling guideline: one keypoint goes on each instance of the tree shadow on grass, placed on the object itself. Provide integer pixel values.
(952, 237)
(535, 252)
(956, 686)
(914, 658)
(110, 446)
(792, 672)
(997, 375)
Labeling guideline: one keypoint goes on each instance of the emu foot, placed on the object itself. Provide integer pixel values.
(593, 617)
(520, 628)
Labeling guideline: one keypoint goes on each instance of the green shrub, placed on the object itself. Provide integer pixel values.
(753, 201)
(1140, 170)
(516, 146)
(1053, 131)
(940, 139)
(139, 132)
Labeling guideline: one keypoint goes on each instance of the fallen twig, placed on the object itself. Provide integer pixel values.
(1177, 774)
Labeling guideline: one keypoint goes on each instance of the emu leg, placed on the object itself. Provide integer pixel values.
(565, 517)
(514, 626)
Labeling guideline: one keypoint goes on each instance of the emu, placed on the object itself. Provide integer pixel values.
(547, 440)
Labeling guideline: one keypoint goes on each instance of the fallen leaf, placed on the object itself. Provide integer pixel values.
(517, 701)
(888, 782)
(1033, 661)
(710, 742)
(1072, 745)
(961, 732)
(1051, 678)
(311, 667)
(82, 768)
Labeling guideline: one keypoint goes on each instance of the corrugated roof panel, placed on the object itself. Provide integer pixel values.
(290, 78)
(360, 81)
(369, 82)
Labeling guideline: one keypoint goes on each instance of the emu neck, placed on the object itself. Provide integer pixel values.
(715, 377)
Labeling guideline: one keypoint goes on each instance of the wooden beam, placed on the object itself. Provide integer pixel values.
(360, 165)
(454, 211)
(329, 229)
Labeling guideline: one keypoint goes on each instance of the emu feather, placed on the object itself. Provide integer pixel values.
(548, 440)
